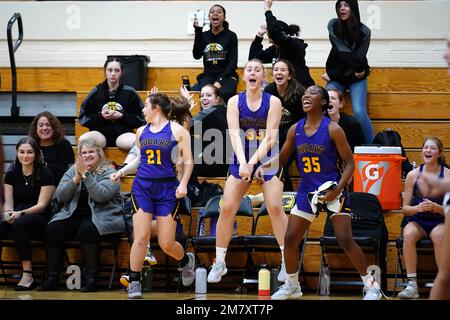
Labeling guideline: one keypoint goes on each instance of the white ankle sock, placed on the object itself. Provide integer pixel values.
(282, 253)
(220, 254)
(366, 279)
(292, 279)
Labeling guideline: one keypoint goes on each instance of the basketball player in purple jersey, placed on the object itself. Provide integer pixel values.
(320, 146)
(258, 114)
(162, 144)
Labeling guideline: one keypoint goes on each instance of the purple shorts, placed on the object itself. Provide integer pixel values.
(155, 196)
(234, 171)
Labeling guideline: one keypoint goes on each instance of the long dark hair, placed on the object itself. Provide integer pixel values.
(103, 89)
(38, 162)
(58, 130)
(294, 89)
(349, 30)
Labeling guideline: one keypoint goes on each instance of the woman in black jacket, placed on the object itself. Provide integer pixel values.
(112, 110)
(347, 66)
(57, 150)
(285, 45)
(219, 49)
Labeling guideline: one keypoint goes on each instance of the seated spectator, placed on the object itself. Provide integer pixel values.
(29, 187)
(112, 111)
(57, 150)
(347, 66)
(349, 124)
(284, 45)
(91, 212)
(290, 92)
(219, 49)
(425, 214)
(209, 135)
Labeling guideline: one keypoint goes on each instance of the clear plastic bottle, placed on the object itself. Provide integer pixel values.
(325, 281)
(200, 280)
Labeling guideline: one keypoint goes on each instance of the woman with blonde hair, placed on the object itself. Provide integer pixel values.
(91, 211)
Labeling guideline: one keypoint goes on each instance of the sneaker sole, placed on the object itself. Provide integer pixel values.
(135, 296)
(291, 297)
(408, 298)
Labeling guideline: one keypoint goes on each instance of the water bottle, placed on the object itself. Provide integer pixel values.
(202, 231)
(147, 279)
(324, 281)
(200, 280)
(264, 281)
(274, 283)
(186, 83)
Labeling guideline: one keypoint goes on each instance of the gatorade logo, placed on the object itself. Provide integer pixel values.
(371, 173)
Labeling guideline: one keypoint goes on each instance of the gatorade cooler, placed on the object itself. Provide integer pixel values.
(378, 170)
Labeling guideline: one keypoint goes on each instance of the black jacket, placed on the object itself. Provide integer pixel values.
(345, 57)
(290, 48)
(352, 130)
(214, 117)
(219, 52)
(125, 96)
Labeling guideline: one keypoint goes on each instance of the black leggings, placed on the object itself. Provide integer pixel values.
(25, 229)
(78, 227)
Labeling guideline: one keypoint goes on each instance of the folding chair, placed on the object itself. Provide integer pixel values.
(424, 247)
(369, 232)
(207, 243)
(263, 241)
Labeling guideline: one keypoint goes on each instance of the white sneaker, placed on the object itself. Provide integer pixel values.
(286, 292)
(149, 257)
(134, 290)
(282, 275)
(410, 292)
(372, 290)
(218, 270)
(187, 272)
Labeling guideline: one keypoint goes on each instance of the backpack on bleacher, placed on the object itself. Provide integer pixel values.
(391, 138)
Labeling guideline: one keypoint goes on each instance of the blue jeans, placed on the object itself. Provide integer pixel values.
(358, 94)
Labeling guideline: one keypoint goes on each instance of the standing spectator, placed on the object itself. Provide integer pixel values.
(290, 92)
(112, 111)
(57, 150)
(425, 214)
(92, 212)
(219, 49)
(284, 45)
(347, 66)
(29, 187)
(349, 124)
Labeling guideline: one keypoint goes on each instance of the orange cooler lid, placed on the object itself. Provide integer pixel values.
(378, 150)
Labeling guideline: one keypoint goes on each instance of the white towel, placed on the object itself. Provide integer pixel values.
(319, 205)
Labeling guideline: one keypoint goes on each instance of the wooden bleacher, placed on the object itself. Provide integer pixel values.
(413, 101)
